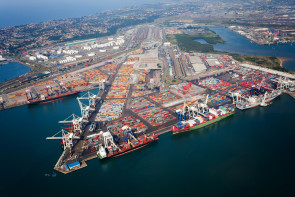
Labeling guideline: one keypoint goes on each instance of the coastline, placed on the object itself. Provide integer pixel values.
(15, 62)
(282, 60)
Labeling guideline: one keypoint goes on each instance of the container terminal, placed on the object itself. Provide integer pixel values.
(147, 91)
(137, 102)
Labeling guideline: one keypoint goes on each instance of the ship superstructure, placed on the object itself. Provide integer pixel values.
(200, 115)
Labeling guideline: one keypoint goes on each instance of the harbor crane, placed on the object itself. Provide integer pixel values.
(85, 109)
(193, 111)
(76, 121)
(236, 97)
(284, 83)
(66, 137)
(101, 84)
(29, 94)
(49, 90)
(63, 88)
(203, 107)
(109, 141)
(127, 134)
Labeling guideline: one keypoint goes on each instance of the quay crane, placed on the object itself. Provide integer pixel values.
(29, 94)
(49, 90)
(101, 84)
(110, 149)
(128, 135)
(67, 138)
(203, 107)
(76, 121)
(86, 109)
(236, 97)
(63, 88)
(284, 83)
(192, 111)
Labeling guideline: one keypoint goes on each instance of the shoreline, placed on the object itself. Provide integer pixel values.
(18, 62)
(283, 60)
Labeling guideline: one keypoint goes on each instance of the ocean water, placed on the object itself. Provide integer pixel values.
(12, 70)
(248, 154)
(236, 43)
(19, 12)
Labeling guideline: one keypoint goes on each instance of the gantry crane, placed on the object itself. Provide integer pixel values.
(66, 137)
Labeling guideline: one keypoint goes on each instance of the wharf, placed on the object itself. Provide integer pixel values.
(94, 156)
(83, 165)
(292, 94)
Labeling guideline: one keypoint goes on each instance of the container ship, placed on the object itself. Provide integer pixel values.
(256, 101)
(110, 149)
(204, 117)
(51, 98)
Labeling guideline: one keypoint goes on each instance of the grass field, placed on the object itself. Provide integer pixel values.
(187, 42)
(264, 61)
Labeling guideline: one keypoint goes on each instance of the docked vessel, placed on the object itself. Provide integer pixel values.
(51, 98)
(202, 118)
(110, 149)
(256, 101)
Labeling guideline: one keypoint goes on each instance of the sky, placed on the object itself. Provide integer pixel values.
(18, 12)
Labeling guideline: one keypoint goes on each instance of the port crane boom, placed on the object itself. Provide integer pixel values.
(67, 138)
(75, 120)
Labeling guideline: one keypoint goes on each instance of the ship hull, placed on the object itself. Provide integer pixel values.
(256, 104)
(203, 124)
(131, 150)
(47, 100)
(128, 150)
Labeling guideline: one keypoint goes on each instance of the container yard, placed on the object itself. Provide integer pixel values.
(164, 97)
(109, 68)
(156, 116)
(135, 124)
(139, 104)
(110, 110)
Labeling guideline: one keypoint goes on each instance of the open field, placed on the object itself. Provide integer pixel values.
(264, 61)
(187, 41)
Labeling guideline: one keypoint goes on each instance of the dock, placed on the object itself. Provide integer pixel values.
(292, 94)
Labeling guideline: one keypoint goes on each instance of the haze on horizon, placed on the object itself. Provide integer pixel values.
(19, 12)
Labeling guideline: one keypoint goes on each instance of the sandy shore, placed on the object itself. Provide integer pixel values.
(282, 60)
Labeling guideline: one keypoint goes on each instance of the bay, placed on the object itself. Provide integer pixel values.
(235, 43)
(19, 12)
(248, 154)
(12, 70)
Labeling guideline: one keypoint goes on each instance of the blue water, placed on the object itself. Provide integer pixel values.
(248, 154)
(19, 12)
(236, 43)
(12, 70)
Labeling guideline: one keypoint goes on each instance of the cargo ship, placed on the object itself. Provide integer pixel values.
(256, 101)
(110, 149)
(51, 98)
(203, 119)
